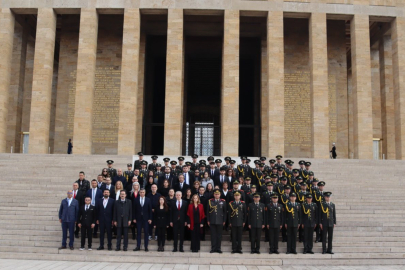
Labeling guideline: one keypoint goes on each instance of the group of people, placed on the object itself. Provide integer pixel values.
(182, 200)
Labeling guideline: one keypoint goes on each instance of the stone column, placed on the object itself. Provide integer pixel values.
(86, 69)
(264, 99)
(127, 123)
(387, 98)
(173, 126)
(318, 61)
(42, 82)
(398, 66)
(7, 22)
(361, 83)
(141, 84)
(275, 75)
(230, 85)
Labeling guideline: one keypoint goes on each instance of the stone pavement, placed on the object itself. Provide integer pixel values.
(37, 264)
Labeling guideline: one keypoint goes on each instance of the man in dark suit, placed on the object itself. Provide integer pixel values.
(178, 212)
(109, 186)
(169, 176)
(137, 163)
(188, 176)
(94, 193)
(181, 185)
(87, 221)
(84, 184)
(119, 177)
(213, 172)
(79, 196)
(221, 178)
(68, 214)
(104, 215)
(142, 217)
(122, 219)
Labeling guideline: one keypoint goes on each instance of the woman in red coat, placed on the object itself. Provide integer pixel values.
(195, 221)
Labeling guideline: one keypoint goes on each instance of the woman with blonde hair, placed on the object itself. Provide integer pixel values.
(118, 188)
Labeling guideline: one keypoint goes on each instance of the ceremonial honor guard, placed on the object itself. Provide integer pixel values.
(152, 166)
(237, 220)
(137, 163)
(216, 217)
(111, 170)
(167, 164)
(301, 198)
(194, 164)
(129, 174)
(256, 220)
(327, 221)
(309, 220)
(275, 220)
(181, 163)
(319, 198)
(292, 219)
(284, 199)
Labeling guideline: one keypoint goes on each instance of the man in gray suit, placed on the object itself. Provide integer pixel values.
(68, 214)
(122, 219)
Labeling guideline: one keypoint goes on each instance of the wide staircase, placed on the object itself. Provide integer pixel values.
(368, 195)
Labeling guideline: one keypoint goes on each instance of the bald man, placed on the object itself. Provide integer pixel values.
(68, 215)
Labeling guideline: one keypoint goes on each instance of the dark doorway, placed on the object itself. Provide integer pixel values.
(249, 96)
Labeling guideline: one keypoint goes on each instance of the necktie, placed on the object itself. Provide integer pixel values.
(108, 187)
(212, 172)
(181, 185)
(92, 198)
(105, 203)
(74, 195)
(142, 202)
(275, 205)
(87, 207)
(222, 179)
(185, 178)
(167, 176)
(178, 205)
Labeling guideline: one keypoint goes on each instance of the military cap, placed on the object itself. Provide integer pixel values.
(236, 193)
(283, 179)
(173, 162)
(315, 180)
(194, 156)
(202, 165)
(296, 171)
(261, 165)
(307, 163)
(129, 165)
(256, 161)
(311, 173)
(253, 186)
(217, 191)
(243, 158)
(166, 159)
(303, 183)
(301, 162)
(309, 196)
(202, 161)
(275, 167)
(158, 165)
(272, 161)
(248, 160)
(154, 157)
(140, 154)
(299, 178)
(180, 158)
(273, 175)
(188, 163)
(262, 158)
(280, 169)
(269, 184)
(218, 161)
(236, 182)
(232, 161)
(327, 194)
(289, 161)
(227, 158)
(274, 196)
(256, 195)
(110, 161)
(279, 157)
(143, 162)
(248, 178)
(268, 177)
(210, 158)
(292, 194)
(287, 187)
(321, 183)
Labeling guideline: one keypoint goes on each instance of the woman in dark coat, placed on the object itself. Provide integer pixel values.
(161, 221)
(195, 221)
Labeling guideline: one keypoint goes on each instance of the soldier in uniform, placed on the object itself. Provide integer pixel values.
(247, 185)
(210, 158)
(166, 161)
(194, 164)
(284, 199)
(302, 166)
(327, 222)
(218, 163)
(294, 176)
(314, 186)
(111, 170)
(288, 168)
(301, 198)
(137, 163)
(266, 199)
(181, 162)
(158, 172)
(173, 167)
(310, 218)
(256, 221)
(319, 198)
(272, 162)
(237, 219)
(143, 172)
(292, 220)
(129, 174)
(280, 161)
(256, 174)
(243, 169)
(216, 218)
(152, 166)
(305, 172)
(275, 220)
(235, 189)
(232, 166)
(202, 169)
(227, 162)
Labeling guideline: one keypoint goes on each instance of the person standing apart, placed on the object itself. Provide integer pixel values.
(333, 151)
(68, 215)
(70, 147)
(327, 222)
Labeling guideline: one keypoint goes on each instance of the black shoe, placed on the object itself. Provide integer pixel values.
(284, 241)
(276, 252)
(174, 250)
(117, 249)
(219, 251)
(252, 252)
(125, 249)
(136, 249)
(62, 247)
(211, 251)
(294, 252)
(233, 252)
(330, 252)
(94, 235)
(270, 252)
(76, 236)
(72, 248)
(100, 248)
(257, 252)
(163, 249)
(146, 249)
(310, 252)
(305, 252)
(287, 252)
(324, 252)
(109, 248)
